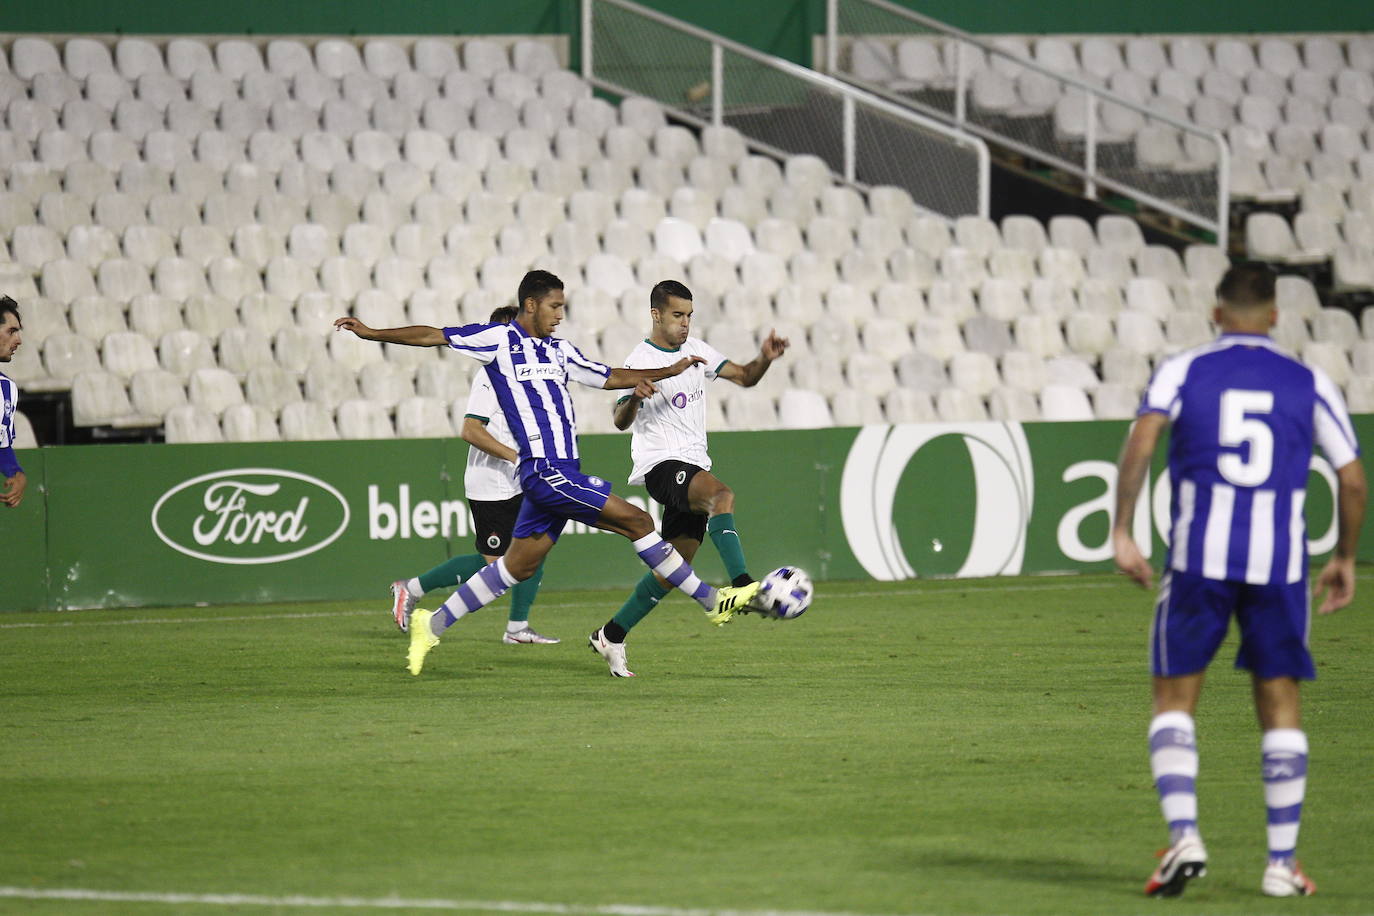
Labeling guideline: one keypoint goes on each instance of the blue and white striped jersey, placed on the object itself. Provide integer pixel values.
(530, 377)
(1245, 415)
(9, 401)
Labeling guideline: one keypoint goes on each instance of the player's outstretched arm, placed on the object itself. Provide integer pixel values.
(748, 374)
(629, 378)
(1134, 464)
(418, 335)
(1337, 578)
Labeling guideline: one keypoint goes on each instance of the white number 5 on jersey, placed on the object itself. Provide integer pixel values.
(1238, 427)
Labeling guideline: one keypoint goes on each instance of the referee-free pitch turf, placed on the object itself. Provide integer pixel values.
(922, 747)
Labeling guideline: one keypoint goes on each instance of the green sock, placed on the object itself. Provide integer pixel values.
(721, 528)
(647, 593)
(522, 596)
(452, 571)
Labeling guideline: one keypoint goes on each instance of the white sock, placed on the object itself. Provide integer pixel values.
(1284, 753)
(413, 587)
(515, 626)
(1173, 761)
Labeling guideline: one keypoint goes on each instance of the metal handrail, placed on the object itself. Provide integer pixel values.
(851, 94)
(1093, 94)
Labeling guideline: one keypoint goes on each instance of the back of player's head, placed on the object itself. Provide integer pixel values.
(504, 315)
(1247, 286)
(665, 289)
(7, 306)
(536, 285)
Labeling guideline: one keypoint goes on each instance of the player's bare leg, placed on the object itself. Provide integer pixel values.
(709, 496)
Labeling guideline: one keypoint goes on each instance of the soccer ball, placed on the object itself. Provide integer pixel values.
(785, 593)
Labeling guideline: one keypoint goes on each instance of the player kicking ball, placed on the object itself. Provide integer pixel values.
(492, 487)
(529, 369)
(1244, 416)
(670, 457)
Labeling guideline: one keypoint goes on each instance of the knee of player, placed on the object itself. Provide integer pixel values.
(722, 501)
(639, 523)
(520, 571)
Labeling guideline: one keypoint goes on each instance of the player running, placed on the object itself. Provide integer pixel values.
(670, 457)
(529, 369)
(492, 487)
(1244, 417)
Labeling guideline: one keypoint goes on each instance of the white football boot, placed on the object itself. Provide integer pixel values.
(612, 652)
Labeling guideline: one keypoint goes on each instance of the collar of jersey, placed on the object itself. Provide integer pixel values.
(662, 349)
(1247, 335)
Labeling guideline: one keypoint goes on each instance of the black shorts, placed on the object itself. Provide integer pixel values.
(492, 523)
(667, 483)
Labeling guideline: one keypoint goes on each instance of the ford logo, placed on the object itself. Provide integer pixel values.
(250, 516)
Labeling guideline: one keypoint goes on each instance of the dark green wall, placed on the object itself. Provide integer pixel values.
(779, 26)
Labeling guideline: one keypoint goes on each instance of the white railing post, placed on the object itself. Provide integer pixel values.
(960, 83)
(832, 36)
(717, 84)
(1090, 146)
(1223, 191)
(587, 39)
(849, 139)
(984, 181)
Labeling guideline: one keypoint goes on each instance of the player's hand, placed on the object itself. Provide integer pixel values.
(644, 389)
(684, 364)
(14, 490)
(773, 346)
(1130, 560)
(1337, 579)
(352, 324)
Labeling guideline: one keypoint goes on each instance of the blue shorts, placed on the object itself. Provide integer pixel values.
(1193, 614)
(556, 491)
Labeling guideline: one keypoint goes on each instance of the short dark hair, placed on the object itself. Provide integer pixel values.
(1245, 286)
(504, 314)
(536, 285)
(664, 289)
(9, 305)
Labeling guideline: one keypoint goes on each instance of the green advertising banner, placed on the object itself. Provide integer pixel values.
(122, 526)
(23, 539)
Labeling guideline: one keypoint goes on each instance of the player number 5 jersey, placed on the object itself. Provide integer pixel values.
(672, 423)
(1245, 415)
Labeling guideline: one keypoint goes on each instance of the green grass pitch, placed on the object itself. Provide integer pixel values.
(928, 747)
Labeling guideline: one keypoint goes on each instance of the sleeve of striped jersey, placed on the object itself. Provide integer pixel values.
(480, 341)
(9, 465)
(481, 401)
(1162, 393)
(582, 370)
(1331, 423)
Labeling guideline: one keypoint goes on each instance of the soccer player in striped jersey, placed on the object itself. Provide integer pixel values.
(1244, 416)
(669, 452)
(529, 369)
(492, 487)
(11, 336)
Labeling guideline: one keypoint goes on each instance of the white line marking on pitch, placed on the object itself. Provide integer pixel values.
(383, 903)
